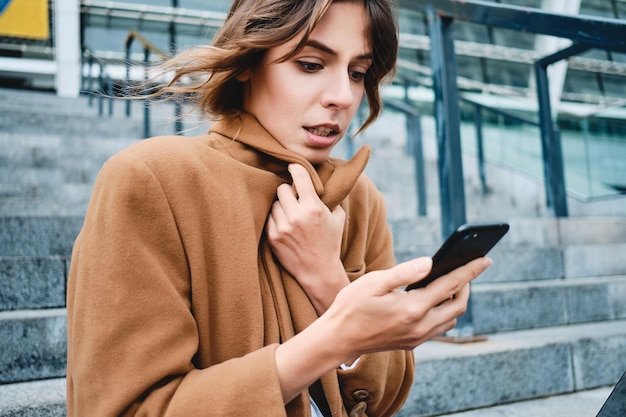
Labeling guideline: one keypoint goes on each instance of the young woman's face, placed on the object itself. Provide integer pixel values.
(308, 101)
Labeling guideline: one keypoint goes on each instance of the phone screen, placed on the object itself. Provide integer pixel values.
(468, 242)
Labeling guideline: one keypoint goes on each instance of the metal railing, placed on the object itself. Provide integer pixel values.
(148, 49)
(585, 32)
(104, 84)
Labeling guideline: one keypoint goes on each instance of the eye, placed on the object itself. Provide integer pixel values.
(357, 75)
(309, 66)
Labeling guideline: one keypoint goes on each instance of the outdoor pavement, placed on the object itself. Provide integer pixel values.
(580, 404)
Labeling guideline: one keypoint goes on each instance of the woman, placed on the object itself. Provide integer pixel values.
(218, 275)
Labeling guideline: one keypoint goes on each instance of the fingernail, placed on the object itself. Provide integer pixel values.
(423, 265)
(486, 263)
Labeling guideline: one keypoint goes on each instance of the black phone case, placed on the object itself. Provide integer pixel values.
(468, 242)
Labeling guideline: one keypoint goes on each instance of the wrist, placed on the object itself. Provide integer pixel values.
(324, 288)
(307, 356)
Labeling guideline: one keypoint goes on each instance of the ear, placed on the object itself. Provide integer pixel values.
(243, 76)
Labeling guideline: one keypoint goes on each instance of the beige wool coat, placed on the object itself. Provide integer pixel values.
(175, 303)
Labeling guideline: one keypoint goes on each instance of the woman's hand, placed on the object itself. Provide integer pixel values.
(391, 318)
(306, 238)
(374, 314)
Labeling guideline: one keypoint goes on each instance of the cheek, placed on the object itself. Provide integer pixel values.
(283, 90)
(358, 93)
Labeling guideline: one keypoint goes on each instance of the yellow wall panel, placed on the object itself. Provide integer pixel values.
(24, 18)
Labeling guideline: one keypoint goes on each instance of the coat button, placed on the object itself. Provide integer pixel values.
(361, 395)
(359, 409)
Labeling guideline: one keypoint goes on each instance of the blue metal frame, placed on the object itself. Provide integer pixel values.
(598, 32)
(480, 149)
(178, 121)
(443, 62)
(554, 172)
(585, 32)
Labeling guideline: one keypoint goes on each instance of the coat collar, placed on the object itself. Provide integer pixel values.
(333, 179)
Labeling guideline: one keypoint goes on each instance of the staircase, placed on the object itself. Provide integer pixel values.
(551, 307)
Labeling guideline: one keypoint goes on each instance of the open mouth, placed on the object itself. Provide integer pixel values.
(322, 131)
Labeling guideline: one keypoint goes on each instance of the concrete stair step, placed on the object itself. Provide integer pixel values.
(18, 206)
(32, 176)
(41, 144)
(45, 234)
(500, 307)
(85, 105)
(45, 398)
(33, 344)
(70, 173)
(44, 199)
(534, 248)
(409, 233)
(516, 366)
(51, 154)
(507, 368)
(45, 102)
(578, 404)
(33, 282)
(38, 235)
(32, 112)
(31, 121)
(40, 281)
(63, 191)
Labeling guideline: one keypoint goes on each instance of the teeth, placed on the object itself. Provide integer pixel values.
(321, 131)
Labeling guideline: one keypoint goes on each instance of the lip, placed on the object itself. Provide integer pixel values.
(323, 141)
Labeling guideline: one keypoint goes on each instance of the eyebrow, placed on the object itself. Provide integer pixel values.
(320, 46)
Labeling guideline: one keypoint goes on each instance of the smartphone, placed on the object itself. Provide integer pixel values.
(468, 242)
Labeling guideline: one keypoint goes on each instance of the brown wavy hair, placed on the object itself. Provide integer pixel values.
(207, 75)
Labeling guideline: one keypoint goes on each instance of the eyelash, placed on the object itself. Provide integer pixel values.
(313, 66)
(357, 75)
(309, 66)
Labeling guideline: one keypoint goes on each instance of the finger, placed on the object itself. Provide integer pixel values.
(277, 214)
(450, 284)
(441, 329)
(302, 183)
(286, 195)
(403, 274)
(453, 308)
(457, 301)
(271, 223)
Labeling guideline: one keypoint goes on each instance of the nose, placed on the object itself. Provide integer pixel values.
(338, 91)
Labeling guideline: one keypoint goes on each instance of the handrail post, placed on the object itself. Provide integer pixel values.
(554, 173)
(443, 62)
(101, 90)
(551, 150)
(146, 103)
(178, 122)
(127, 62)
(480, 153)
(452, 190)
(414, 130)
(407, 99)
(90, 79)
(109, 83)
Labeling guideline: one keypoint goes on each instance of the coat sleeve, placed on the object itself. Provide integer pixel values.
(381, 380)
(132, 336)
